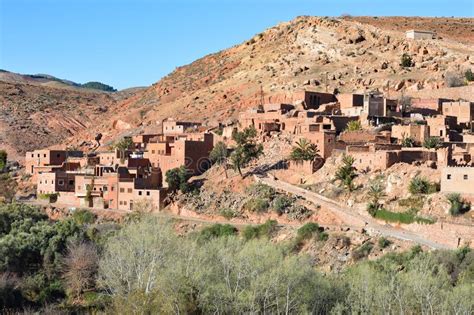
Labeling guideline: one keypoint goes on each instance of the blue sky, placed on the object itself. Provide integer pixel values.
(128, 43)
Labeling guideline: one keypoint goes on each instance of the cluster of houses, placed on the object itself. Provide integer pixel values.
(119, 179)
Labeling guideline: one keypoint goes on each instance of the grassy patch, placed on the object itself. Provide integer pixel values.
(215, 231)
(263, 230)
(416, 202)
(406, 217)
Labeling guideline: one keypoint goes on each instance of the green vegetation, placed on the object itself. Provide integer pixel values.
(415, 202)
(261, 190)
(3, 159)
(124, 144)
(177, 179)
(228, 213)
(216, 230)
(454, 79)
(7, 188)
(83, 216)
(281, 203)
(145, 267)
(51, 197)
(354, 125)
(362, 251)
(376, 192)
(406, 217)
(257, 205)
(98, 86)
(469, 75)
(345, 174)
(384, 242)
(432, 143)
(258, 231)
(219, 155)
(304, 151)
(247, 148)
(420, 185)
(408, 142)
(406, 61)
(458, 206)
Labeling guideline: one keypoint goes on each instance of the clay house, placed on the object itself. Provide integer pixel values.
(171, 126)
(419, 34)
(325, 140)
(463, 111)
(457, 179)
(443, 127)
(351, 104)
(47, 158)
(190, 150)
(427, 106)
(416, 132)
(313, 100)
(362, 137)
(379, 106)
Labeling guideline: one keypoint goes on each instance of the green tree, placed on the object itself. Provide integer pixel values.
(3, 159)
(98, 86)
(304, 151)
(177, 179)
(376, 192)
(354, 125)
(247, 148)
(345, 174)
(408, 142)
(219, 155)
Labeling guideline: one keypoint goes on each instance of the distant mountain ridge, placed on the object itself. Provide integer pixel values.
(47, 79)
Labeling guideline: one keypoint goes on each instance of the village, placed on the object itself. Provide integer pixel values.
(377, 132)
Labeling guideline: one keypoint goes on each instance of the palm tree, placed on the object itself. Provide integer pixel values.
(346, 173)
(304, 150)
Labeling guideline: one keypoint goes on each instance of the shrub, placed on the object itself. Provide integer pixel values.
(51, 197)
(346, 173)
(432, 143)
(258, 205)
(469, 75)
(83, 216)
(458, 206)
(263, 230)
(307, 230)
(420, 185)
(384, 242)
(98, 86)
(406, 60)
(3, 159)
(281, 203)
(416, 202)
(453, 80)
(228, 213)
(261, 190)
(408, 142)
(298, 212)
(354, 125)
(362, 251)
(216, 230)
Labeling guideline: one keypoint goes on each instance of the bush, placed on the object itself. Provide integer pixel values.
(264, 230)
(261, 190)
(354, 125)
(469, 75)
(298, 212)
(51, 197)
(362, 251)
(384, 242)
(216, 230)
(228, 213)
(432, 143)
(83, 216)
(408, 142)
(307, 230)
(281, 203)
(258, 205)
(3, 159)
(453, 80)
(98, 86)
(406, 60)
(458, 206)
(420, 185)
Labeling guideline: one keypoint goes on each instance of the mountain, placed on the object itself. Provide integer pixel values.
(51, 81)
(350, 54)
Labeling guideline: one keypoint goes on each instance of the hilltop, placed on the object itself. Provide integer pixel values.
(321, 54)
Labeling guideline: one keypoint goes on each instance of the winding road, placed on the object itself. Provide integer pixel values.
(350, 215)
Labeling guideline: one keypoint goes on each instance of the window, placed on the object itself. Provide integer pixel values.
(58, 155)
(465, 177)
(32, 155)
(44, 155)
(139, 193)
(124, 203)
(71, 182)
(120, 203)
(105, 188)
(129, 190)
(122, 190)
(448, 177)
(152, 151)
(60, 182)
(112, 188)
(148, 193)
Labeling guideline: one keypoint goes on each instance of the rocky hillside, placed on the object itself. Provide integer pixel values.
(35, 116)
(348, 54)
(323, 54)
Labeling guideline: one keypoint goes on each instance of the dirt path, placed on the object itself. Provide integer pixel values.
(349, 215)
